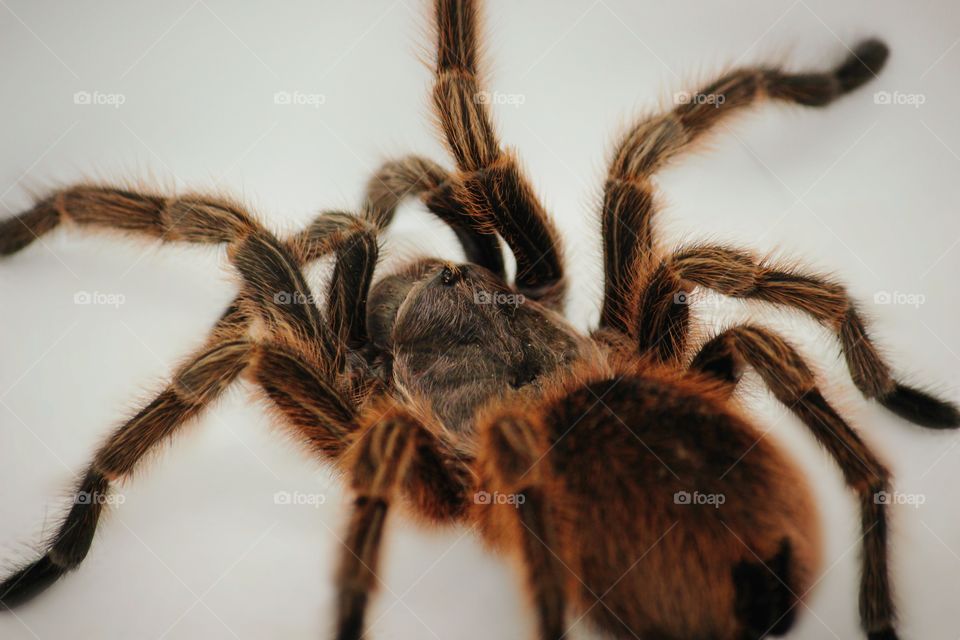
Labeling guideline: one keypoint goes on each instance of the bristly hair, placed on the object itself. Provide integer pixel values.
(453, 394)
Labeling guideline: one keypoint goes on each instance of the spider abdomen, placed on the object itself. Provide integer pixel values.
(670, 507)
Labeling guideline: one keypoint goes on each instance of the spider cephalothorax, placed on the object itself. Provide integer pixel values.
(636, 492)
(457, 335)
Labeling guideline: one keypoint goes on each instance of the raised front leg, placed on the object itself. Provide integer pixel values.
(630, 197)
(413, 176)
(498, 196)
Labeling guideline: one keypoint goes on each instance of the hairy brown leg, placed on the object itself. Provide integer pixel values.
(423, 178)
(270, 267)
(349, 286)
(20, 231)
(793, 383)
(393, 454)
(259, 255)
(306, 393)
(206, 220)
(188, 218)
(137, 213)
(278, 291)
(497, 195)
(511, 464)
(194, 385)
(300, 389)
(629, 199)
(741, 274)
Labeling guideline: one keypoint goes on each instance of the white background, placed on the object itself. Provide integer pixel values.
(199, 549)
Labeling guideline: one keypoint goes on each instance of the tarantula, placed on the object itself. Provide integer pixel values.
(445, 390)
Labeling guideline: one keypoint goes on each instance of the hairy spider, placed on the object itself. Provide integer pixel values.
(447, 390)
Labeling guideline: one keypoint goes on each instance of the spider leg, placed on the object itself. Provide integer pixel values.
(321, 409)
(206, 220)
(262, 259)
(303, 376)
(296, 375)
(386, 450)
(741, 274)
(297, 367)
(301, 391)
(349, 286)
(629, 199)
(414, 175)
(496, 194)
(512, 447)
(793, 383)
(279, 294)
(194, 385)
(304, 396)
(188, 218)
(393, 453)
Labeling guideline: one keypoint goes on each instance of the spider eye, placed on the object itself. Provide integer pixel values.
(449, 276)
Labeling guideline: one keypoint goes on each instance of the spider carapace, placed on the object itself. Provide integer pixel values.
(617, 465)
(458, 336)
